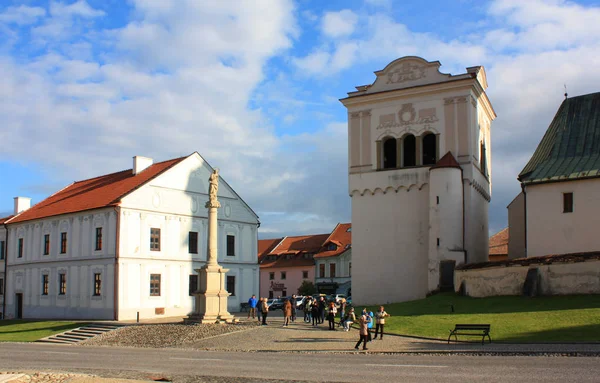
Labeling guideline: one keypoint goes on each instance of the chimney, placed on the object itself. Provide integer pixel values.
(22, 204)
(140, 163)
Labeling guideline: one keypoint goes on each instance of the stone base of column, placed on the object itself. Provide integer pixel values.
(211, 298)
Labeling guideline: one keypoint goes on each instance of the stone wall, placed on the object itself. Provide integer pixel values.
(581, 276)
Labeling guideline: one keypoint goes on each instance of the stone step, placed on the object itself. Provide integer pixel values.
(74, 337)
(84, 331)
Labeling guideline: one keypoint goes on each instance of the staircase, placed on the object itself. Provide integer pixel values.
(79, 334)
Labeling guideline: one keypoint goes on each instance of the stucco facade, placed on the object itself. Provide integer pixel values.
(171, 204)
(273, 284)
(343, 272)
(516, 223)
(407, 218)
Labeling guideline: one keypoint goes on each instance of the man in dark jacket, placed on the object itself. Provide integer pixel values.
(293, 302)
(322, 305)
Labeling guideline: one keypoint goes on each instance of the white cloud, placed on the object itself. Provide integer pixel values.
(338, 24)
(80, 8)
(314, 63)
(22, 15)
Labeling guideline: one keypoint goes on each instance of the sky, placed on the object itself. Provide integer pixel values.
(253, 86)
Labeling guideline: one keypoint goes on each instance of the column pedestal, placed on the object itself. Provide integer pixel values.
(211, 298)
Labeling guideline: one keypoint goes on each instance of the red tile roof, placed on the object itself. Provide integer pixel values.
(2, 220)
(447, 161)
(341, 236)
(499, 243)
(94, 193)
(266, 245)
(291, 251)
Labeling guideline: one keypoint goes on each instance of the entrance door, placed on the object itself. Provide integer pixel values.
(447, 275)
(19, 305)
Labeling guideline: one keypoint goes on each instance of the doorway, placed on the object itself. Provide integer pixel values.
(447, 275)
(19, 305)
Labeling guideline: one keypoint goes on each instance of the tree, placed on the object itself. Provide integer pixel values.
(307, 288)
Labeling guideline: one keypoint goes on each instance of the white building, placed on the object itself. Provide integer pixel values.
(2, 262)
(415, 215)
(333, 262)
(557, 211)
(125, 243)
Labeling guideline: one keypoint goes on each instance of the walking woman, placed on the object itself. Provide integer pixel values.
(287, 312)
(363, 332)
(331, 316)
(380, 316)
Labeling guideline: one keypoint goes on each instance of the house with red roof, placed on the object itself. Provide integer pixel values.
(286, 262)
(126, 244)
(333, 262)
(499, 246)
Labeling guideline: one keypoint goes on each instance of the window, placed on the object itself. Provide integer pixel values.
(305, 274)
(20, 253)
(155, 240)
(63, 243)
(62, 284)
(97, 284)
(332, 270)
(193, 242)
(271, 276)
(45, 282)
(270, 294)
(46, 244)
(350, 269)
(231, 285)
(567, 202)
(483, 159)
(1, 286)
(429, 149)
(283, 275)
(284, 293)
(155, 285)
(98, 238)
(2, 244)
(332, 247)
(231, 245)
(322, 270)
(410, 151)
(193, 284)
(389, 153)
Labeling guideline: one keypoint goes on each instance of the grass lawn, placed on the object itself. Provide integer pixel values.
(30, 331)
(512, 318)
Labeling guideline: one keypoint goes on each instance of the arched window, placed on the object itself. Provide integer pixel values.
(389, 153)
(429, 149)
(409, 149)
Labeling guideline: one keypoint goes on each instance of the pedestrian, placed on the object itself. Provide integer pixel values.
(293, 302)
(287, 312)
(342, 310)
(369, 319)
(252, 306)
(380, 316)
(314, 312)
(307, 305)
(322, 305)
(349, 319)
(265, 311)
(331, 316)
(259, 309)
(363, 331)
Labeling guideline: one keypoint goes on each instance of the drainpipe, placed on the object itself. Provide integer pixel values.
(525, 215)
(5, 272)
(116, 274)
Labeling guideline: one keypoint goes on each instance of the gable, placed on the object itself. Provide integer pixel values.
(183, 189)
(407, 72)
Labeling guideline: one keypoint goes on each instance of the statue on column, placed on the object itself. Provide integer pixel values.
(213, 189)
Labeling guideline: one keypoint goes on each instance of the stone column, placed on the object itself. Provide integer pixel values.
(211, 297)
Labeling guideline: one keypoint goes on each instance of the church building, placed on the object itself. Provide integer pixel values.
(419, 177)
(126, 244)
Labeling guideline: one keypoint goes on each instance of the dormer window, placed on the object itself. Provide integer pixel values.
(332, 247)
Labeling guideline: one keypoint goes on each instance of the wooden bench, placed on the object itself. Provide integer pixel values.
(481, 330)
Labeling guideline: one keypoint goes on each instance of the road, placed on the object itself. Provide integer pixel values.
(295, 366)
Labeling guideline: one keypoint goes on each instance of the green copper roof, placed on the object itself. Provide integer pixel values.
(570, 148)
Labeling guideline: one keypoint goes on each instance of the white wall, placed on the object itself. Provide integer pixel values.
(79, 263)
(2, 274)
(174, 203)
(550, 231)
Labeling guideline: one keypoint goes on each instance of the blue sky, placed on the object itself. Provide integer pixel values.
(253, 86)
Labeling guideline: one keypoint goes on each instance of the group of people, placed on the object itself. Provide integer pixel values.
(314, 311)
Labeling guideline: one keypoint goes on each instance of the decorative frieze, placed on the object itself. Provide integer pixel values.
(406, 72)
